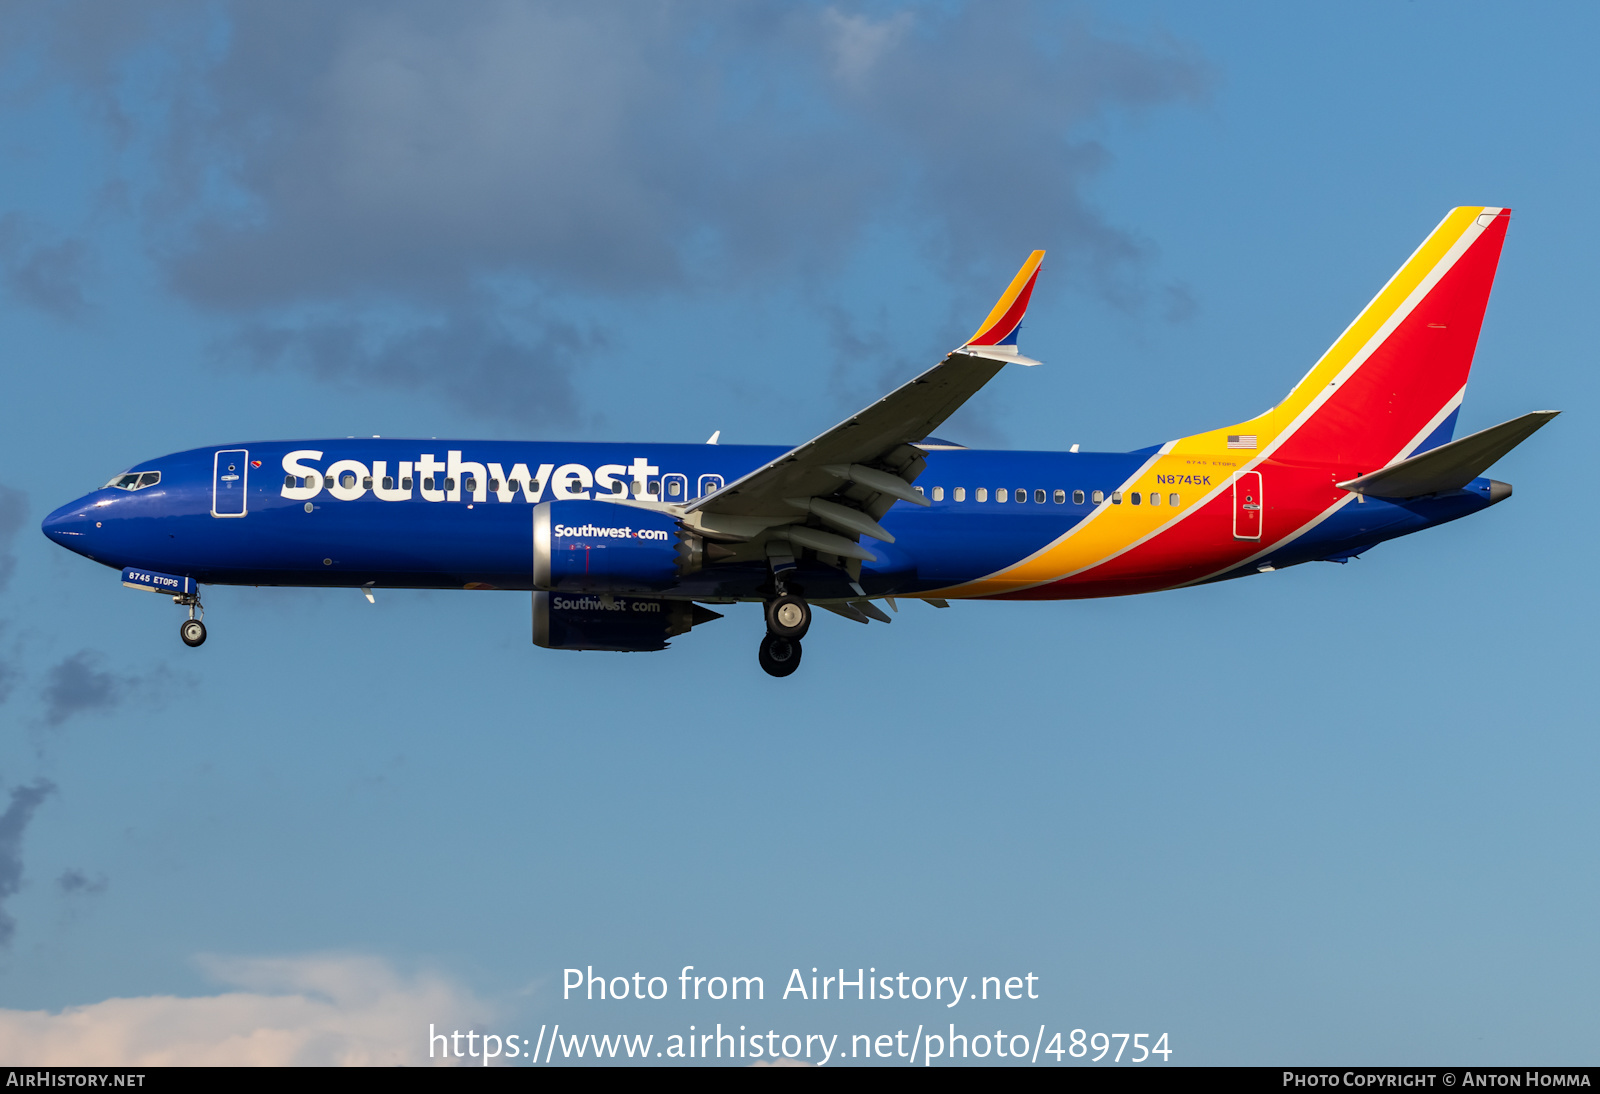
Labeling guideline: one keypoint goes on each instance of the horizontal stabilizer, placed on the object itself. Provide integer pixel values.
(1450, 466)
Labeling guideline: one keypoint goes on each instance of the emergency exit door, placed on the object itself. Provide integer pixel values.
(230, 475)
(1247, 506)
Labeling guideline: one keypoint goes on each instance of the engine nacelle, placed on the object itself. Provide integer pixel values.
(620, 624)
(602, 547)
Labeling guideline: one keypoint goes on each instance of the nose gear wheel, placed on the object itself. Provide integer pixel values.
(192, 630)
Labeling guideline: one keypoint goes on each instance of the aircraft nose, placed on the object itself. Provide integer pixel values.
(66, 525)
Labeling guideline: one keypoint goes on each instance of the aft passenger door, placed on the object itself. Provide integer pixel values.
(1247, 506)
(230, 476)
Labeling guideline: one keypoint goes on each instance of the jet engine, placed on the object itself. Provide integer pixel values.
(620, 624)
(602, 547)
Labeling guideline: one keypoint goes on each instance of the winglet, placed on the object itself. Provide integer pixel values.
(1000, 329)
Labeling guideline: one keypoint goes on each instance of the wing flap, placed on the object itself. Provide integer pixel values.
(906, 414)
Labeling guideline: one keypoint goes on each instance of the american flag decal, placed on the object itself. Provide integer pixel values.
(1241, 440)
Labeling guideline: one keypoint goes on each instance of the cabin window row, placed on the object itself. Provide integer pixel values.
(469, 484)
(1021, 495)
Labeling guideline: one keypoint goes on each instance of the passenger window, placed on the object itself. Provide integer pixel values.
(655, 486)
(938, 493)
(1002, 494)
(327, 480)
(617, 488)
(983, 493)
(533, 485)
(427, 483)
(1155, 499)
(347, 480)
(469, 484)
(1022, 496)
(494, 484)
(288, 481)
(1077, 497)
(1098, 496)
(366, 482)
(920, 490)
(1116, 497)
(674, 488)
(388, 482)
(1134, 497)
(961, 493)
(1172, 500)
(1061, 497)
(405, 484)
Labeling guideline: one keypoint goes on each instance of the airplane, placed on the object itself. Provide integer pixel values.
(624, 546)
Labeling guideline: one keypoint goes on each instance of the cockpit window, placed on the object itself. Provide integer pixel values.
(135, 480)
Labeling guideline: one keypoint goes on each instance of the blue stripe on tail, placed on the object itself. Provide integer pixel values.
(1446, 430)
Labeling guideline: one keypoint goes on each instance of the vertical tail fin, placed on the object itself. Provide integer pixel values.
(1390, 385)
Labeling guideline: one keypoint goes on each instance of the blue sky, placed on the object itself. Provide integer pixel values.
(1330, 814)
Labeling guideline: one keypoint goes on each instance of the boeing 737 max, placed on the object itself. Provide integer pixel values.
(622, 545)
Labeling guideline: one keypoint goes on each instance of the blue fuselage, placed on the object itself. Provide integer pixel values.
(460, 516)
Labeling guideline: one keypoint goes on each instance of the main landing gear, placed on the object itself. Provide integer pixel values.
(788, 619)
(779, 656)
(788, 616)
(191, 630)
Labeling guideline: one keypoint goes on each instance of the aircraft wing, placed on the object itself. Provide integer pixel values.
(848, 477)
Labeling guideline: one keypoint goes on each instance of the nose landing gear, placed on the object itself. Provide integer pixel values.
(191, 630)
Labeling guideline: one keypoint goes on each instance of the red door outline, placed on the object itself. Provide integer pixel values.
(1247, 506)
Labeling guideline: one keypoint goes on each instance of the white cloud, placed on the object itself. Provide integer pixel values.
(467, 199)
(324, 1010)
(858, 41)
